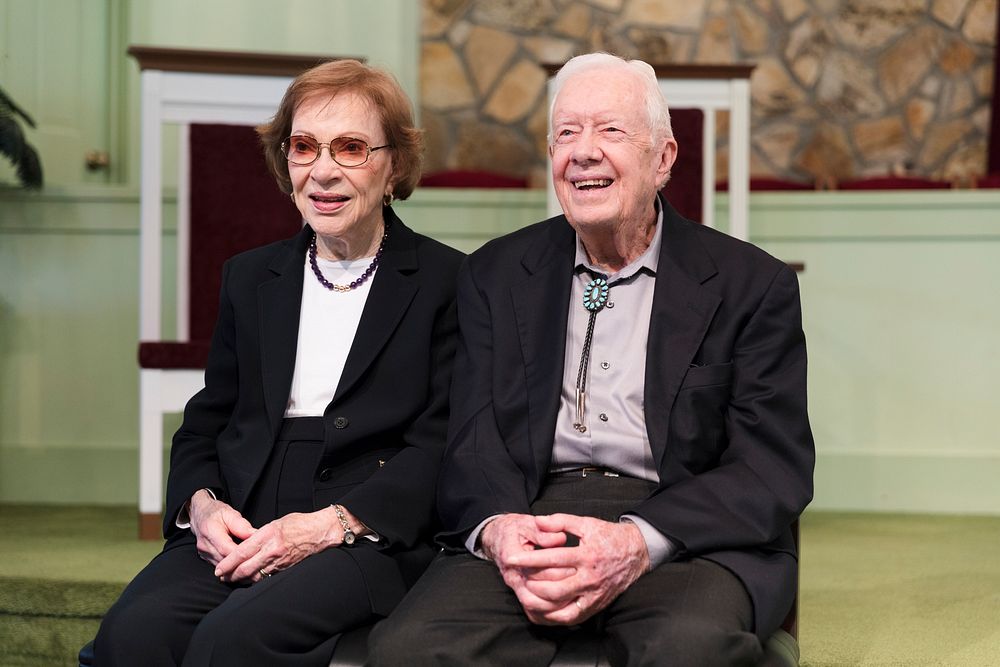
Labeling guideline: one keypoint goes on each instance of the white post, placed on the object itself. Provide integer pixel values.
(150, 208)
(708, 167)
(739, 159)
(150, 233)
(150, 441)
(183, 232)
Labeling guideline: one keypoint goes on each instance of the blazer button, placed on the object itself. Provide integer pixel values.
(325, 474)
(340, 422)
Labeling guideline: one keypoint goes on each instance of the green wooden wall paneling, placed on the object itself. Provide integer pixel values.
(900, 309)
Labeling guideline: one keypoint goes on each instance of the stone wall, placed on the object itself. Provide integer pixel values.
(843, 88)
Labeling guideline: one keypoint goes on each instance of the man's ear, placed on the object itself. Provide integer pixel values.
(667, 154)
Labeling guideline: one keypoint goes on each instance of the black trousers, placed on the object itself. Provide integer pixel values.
(177, 612)
(462, 613)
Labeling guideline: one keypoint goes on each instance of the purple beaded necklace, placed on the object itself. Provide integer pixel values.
(354, 283)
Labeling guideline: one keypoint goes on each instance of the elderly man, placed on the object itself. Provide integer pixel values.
(628, 443)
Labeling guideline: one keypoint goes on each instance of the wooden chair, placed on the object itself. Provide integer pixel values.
(234, 205)
(181, 88)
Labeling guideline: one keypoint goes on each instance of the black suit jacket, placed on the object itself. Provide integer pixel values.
(724, 397)
(391, 403)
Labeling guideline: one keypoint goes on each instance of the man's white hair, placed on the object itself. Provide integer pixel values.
(656, 104)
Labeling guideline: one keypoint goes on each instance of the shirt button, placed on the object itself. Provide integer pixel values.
(340, 422)
(605, 365)
(325, 474)
(611, 304)
(603, 417)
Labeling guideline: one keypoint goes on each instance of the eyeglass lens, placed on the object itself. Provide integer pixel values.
(346, 151)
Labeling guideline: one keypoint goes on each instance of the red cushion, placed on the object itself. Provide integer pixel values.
(894, 183)
(989, 181)
(174, 355)
(235, 206)
(471, 179)
(765, 184)
(683, 190)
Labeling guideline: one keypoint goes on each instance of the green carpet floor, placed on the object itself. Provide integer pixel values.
(880, 590)
(60, 569)
(876, 590)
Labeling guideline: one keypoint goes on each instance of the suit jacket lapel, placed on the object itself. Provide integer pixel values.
(280, 300)
(682, 311)
(392, 290)
(540, 308)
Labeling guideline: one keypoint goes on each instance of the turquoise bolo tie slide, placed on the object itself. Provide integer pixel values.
(595, 294)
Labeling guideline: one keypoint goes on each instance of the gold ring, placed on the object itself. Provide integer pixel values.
(579, 604)
(264, 574)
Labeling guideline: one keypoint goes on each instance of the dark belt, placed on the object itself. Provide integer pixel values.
(588, 471)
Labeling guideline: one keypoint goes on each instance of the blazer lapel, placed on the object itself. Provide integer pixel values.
(682, 310)
(391, 293)
(540, 308)
(280, 300)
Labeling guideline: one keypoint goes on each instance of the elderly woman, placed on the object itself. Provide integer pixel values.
(300, 496)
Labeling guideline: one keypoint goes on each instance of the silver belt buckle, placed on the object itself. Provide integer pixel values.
(594, 469)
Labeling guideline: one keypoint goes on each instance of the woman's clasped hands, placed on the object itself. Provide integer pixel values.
(244, 554)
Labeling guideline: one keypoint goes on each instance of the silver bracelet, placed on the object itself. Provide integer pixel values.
(349, 535)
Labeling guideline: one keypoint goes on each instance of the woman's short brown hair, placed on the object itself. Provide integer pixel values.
(376, 86)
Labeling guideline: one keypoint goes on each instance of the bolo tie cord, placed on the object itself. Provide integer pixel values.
(595, 296)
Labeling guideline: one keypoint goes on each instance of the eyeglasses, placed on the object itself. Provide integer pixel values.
(345, 151)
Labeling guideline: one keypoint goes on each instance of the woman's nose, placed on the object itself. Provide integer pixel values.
(325, 167)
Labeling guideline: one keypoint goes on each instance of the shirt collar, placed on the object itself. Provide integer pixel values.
(647, 260)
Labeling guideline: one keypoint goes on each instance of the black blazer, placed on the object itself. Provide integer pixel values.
(391, 402)
(725, 397)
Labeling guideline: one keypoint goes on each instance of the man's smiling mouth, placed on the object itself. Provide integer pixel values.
(592, 184)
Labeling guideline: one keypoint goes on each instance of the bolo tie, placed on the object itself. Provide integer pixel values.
(595, 297)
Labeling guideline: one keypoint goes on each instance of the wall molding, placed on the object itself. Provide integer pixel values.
(845, 481)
